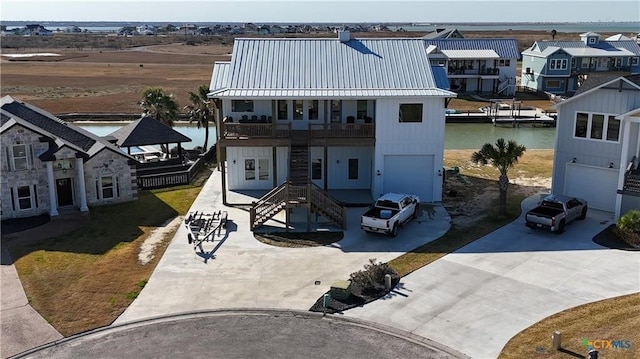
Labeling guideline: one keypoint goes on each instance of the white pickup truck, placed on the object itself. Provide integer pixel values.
(554, 212)
(390, 212)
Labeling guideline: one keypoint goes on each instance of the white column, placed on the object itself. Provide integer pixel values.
(81, 185)
(53, 205)
(624, 160)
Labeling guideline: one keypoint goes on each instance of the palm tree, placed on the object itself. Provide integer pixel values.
(201, 110)
(501, 156)
(163, 107)
(553, 34)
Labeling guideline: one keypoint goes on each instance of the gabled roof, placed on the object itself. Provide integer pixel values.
(147, 131)
(326, 68)
(47, 122)
(618, 37)
(579, 48)
(220, 76)
(593, 83)
(60, 133)
(504, 48)
(444, 34)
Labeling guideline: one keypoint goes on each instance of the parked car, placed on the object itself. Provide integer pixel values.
(554, 212)
(390, 212)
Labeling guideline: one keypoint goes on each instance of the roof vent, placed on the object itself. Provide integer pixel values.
(344, 36)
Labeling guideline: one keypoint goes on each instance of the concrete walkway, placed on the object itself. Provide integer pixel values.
(237, 271)
(21, 326)
(476, 299)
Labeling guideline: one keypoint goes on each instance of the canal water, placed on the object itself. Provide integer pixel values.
(457, 135)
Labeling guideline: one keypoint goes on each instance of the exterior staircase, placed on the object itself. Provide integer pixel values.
(504, 84)
(298, 190)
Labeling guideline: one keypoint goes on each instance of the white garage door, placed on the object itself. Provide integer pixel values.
(409, 174)
(597, 185)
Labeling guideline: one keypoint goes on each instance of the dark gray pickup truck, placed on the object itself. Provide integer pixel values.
(555, 211)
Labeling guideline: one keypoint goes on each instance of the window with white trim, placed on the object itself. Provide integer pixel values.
(361, 109)
(241, 106)
(410, 112)
(25, 197)
(336, 111)
(558, 64)
(353, 168)
(596, 126)
(634, 61)
(316, 169)
(313, 110)
(107, 187)
(261, 172)
(19, 157)
(283, 112)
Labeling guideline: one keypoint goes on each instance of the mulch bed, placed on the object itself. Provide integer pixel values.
(299, 239)
(15, 225)
(356, 299)
(608, 238)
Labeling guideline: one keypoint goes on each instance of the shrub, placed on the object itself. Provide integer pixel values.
(628, 228)
(630, 221)
(370, 280)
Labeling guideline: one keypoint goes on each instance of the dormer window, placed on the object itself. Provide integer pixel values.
(592, 40)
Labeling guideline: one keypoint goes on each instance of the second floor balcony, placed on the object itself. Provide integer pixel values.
(280, 134)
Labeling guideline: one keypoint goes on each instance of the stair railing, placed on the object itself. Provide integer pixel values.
(260, 209)
(328, 206)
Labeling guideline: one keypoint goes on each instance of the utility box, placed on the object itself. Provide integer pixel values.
(340, 289)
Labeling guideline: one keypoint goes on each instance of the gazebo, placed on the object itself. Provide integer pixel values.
(147, 131)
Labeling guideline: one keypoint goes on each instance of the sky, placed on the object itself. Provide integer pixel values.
(313, 11)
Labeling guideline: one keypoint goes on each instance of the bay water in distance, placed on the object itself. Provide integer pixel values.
(627, 27)
(458, 136)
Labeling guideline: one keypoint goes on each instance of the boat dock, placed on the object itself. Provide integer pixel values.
(505, 114)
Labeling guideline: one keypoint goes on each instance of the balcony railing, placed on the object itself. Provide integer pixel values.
(343, 130)
(255, 130)
(232, 131)
(486, 71)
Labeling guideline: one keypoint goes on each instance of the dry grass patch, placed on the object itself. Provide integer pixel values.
(611, 319)
(534, 164)
(87, 278)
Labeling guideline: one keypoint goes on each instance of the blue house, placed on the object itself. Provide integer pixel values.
(560, 67)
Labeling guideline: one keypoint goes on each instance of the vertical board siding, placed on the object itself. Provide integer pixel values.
(590, 152)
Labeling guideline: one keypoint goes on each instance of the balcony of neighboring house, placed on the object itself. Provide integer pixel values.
(463, 72)
(262, 131)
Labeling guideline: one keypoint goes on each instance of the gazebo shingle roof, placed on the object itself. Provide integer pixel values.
(147, 131)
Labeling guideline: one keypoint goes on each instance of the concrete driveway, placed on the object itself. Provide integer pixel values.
(245, 273)
(476, 299)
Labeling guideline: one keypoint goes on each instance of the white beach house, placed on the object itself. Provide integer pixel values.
(331, 114)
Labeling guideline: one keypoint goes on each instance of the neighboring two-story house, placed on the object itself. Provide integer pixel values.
(331, 113)
(49, 165)
(597, 149)
(560, 67)
(476, 66)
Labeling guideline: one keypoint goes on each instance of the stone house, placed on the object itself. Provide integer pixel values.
(49, 166)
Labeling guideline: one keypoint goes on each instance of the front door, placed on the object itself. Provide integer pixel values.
(64, 192)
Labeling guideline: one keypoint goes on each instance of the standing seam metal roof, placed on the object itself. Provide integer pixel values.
(327, 68)
(505, 48)
(612, 46)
